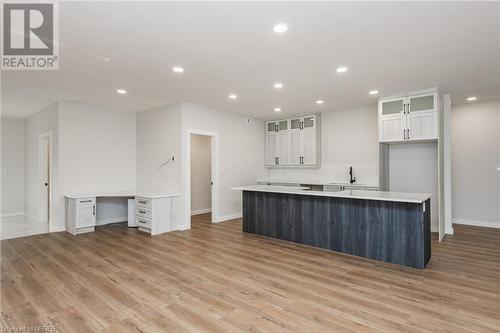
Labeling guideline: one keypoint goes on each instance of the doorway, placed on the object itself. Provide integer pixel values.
(201, 182)
(45, 177)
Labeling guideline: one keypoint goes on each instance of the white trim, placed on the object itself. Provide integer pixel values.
(42, 136)
(201, 211)
(110, 221)
(57, 228)
(187, 175)
(227, 218)
(12, 214)
(486, 224)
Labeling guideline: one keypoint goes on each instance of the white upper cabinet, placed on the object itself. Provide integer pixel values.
(413, 117)
(293, 142)
(422, 121)
(392, 119)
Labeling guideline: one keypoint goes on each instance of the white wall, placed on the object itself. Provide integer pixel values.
(111, 210)
(201, 174)
(158, 139)
(348, 138)
(45, 120)
(12, 166)
(97, 151)
(475, 143)
(414, 168)
(241, 152)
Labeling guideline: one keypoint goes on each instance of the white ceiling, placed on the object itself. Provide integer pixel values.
(230, 47)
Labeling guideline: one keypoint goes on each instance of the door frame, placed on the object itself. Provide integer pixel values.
(42, 137)
(214, 156)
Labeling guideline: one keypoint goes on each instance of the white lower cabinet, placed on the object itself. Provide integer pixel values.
(155, 215)
(80, 215)
(293, 142)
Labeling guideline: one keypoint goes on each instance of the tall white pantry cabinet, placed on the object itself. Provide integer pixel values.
(293, 142)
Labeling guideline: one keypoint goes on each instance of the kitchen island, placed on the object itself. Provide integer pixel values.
(388, 226)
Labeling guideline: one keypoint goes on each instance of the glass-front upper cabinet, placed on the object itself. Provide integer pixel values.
(309, 122)
(393, 106)
(422, 102)
(295, 123)
(272, 126)
(283, 125)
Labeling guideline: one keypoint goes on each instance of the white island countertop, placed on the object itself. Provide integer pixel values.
(119, 194)
(349, 194)
(315, 182)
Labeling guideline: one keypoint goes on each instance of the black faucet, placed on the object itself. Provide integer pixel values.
(351, 178)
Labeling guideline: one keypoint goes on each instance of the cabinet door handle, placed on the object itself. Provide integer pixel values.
(404, 134)
(408, 134)
(93, 210)
(142, 212)
(142, 202)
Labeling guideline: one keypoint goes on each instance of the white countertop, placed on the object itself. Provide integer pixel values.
(350, 194)
(315, 182)
(119, 194)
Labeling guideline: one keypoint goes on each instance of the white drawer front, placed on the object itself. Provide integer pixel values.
(143, 222)
(86, 201)
(143, 202)
(142, 212)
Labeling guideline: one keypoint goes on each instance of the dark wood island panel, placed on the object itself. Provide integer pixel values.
(395, 232)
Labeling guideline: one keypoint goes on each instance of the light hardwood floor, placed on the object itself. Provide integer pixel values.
(214, 278)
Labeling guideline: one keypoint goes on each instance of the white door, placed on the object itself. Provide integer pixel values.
(284, 148)
(283, 142)
(44, 157)
(422, 117)
(422, 126)
(392, 120)
(295, 147)
(392, 128)
(86, 215)
(309, 147)
(272, 148)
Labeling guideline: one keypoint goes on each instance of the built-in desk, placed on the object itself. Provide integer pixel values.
(154, 214)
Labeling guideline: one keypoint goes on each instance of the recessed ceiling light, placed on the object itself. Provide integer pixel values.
(280, 28)
(233, 96)
(178, 69)
(121, 91)
(373, 92)
(341, 69)
(471, 99)
(277, 109)
(278, 85)
(319, 101)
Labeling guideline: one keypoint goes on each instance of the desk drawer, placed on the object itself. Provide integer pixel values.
(142, 212)
(143, 222)
(143, 202)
